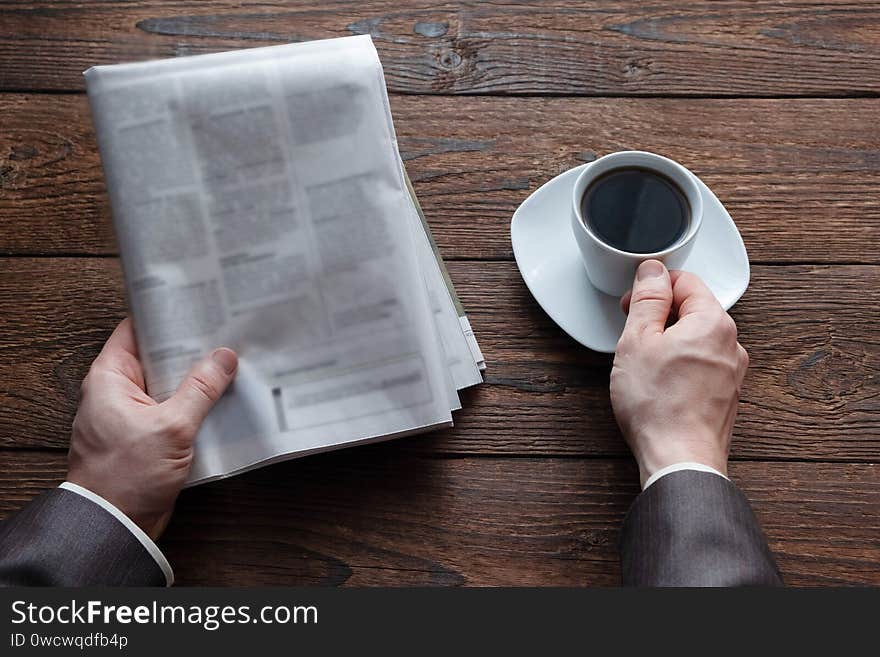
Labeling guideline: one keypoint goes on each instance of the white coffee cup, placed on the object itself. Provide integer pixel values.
(611, 270)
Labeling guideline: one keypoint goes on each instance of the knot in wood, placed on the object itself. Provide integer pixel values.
(449, 59)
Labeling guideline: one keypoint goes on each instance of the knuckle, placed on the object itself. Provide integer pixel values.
(77, 425)
(204, 386)
(85, 385)
(97, 366)
(95, 378)
(730, 325)
(650, 294)
(723, 325)
(175, 427)
(185, 461)
(91, 377)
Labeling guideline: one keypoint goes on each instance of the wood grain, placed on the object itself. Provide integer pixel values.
(800, 177)
(375, 516)
(812, 390)
(618, 47)
(776, 107)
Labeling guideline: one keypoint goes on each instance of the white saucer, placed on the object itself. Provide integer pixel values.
(550, 262)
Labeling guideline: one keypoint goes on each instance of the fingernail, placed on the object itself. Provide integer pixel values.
(650, 269)
(226, 359)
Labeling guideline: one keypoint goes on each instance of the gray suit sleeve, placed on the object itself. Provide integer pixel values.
(64, 539)
(694, 528)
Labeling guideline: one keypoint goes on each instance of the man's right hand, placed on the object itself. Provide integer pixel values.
(675, 389)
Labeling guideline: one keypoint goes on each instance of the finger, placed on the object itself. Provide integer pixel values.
(650, 300)
(625, 299)
(690, 295)
(120, 354)
(203, 386)
(674, 275)
(743, 358)
(122, 340)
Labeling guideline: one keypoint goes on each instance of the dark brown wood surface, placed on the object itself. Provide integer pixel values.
(775, 106)
(378, 516)
(798, 175)
(811, 392)
(568, 47)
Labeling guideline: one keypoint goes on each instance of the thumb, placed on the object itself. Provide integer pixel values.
(203, 385)
(651, 299)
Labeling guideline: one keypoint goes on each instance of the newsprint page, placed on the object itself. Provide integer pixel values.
(260, 203)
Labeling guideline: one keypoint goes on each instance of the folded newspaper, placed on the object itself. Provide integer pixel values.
(260, 203)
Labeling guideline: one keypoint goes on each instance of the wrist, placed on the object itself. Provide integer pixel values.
(152, 524)
(651, 461)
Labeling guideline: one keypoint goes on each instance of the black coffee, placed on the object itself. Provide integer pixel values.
(636, 210)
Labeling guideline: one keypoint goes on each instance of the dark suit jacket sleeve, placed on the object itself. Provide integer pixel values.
(64, 539)
(693, 528)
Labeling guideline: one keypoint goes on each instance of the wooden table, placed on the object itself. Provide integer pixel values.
(775, 106)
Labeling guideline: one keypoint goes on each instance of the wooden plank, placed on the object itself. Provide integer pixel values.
(800, 177)
(812, 390)
(811, 333)
(374, 516)
(572, 47)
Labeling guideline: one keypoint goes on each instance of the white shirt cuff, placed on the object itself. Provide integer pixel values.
(675, 467)
(139, 534)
